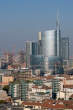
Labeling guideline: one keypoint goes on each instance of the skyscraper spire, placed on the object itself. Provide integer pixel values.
(57, 21)
(58, 35)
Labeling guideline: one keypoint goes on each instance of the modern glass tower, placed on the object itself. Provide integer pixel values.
(58, 37)
(31, 49)
(49, 43)
(65, 48)
(49, 49)
(39, 44)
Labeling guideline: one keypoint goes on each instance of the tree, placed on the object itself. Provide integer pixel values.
(6, 88)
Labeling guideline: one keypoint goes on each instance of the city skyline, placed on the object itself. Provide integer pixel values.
(36, 55)
(22, 20)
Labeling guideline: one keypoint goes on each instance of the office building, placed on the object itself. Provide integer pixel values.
(58, 37)
(49, 43)
(31, 49)
(51, 65)
(37, 61)
(39, 44)
(65, 48)
(49, 51)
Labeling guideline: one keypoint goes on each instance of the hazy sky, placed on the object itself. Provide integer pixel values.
(21, 20)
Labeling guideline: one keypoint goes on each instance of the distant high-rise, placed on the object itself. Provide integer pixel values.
(48, 58)
(50, 48)
(21, 57)
(49, 43)
(58, 37)
(65, 48)
(39, 44)
(31, 49)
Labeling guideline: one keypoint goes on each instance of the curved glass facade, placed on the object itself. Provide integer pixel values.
(49, 43)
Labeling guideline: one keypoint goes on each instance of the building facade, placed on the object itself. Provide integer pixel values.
(39, 44)
(49, 43)
(31, 49)
(18, 90)
(65, 48)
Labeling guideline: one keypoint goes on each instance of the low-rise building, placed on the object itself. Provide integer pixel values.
(18, 90)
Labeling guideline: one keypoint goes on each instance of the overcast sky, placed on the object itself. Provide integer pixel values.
(21, 20)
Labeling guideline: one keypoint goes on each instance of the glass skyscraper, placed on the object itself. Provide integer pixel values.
(65, 48)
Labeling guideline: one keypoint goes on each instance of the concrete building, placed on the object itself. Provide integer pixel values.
(3, 95)
(5, 79)
(18, 90)
(55, 87)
